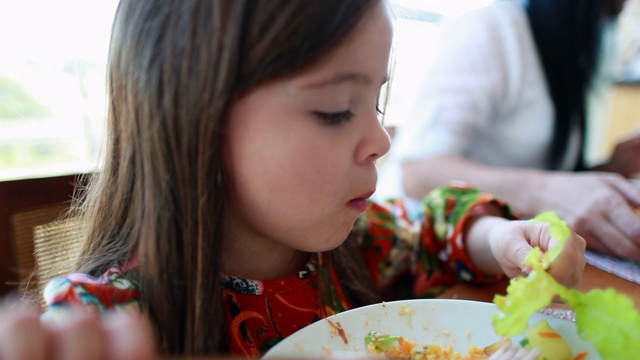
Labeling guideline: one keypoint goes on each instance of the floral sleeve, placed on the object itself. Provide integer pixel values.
(111, 291)
(423, 256)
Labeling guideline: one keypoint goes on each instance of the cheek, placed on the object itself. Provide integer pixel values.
(294, 197)
(304, 171)
(279, 167)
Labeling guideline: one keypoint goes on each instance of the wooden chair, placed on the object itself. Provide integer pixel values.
(57, 247)
(23, 223)
(25, 204)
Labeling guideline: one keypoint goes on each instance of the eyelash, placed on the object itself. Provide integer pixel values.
(340, 117)
(334, 118)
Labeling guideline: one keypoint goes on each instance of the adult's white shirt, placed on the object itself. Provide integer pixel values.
(484, 98)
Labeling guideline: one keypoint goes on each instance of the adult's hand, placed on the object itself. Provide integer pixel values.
(78, 335)
(625, 159)
(599, 206)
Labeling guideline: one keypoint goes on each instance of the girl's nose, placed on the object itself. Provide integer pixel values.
(374, 144)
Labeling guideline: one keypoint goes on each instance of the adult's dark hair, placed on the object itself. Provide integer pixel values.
(567, 36)
(175, 68)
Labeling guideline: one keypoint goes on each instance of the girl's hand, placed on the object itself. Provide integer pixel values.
(511, 241)
(79, 335)
(497, 245)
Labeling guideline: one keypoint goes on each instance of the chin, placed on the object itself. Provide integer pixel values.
(336, 245)
(341, 238)
(329, 242)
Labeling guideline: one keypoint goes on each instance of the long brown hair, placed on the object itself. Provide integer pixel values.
(175, 67)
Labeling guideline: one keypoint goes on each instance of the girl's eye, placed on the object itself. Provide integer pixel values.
(334, 118)
(378, 111)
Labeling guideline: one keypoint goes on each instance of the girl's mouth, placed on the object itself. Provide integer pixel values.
(360, 203)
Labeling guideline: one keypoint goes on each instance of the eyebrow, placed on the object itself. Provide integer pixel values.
(341, 78)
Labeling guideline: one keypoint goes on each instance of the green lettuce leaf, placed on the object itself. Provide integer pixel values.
(559, 230)
(607, 319)
(524, 297)
(381, 342)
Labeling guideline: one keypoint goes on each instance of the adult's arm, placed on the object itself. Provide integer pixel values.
(599, 206)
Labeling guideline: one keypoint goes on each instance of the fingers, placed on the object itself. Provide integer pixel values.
(114, 336)
(21, 335)
(515, 352)
(615, 230)
(606, 217)
(513, 243)
(568, 267)
(130, 337)
(608, 239)
(629, 191)
(80, 336)
(624, 159)
(76, 334)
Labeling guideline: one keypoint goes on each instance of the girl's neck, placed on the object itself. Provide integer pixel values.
(249, 260)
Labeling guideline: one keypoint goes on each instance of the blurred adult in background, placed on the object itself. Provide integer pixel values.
(503, 107)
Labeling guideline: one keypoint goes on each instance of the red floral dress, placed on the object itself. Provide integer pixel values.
(429, 250)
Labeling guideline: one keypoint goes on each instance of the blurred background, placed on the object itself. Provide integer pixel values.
(53, 56)
(52, 93)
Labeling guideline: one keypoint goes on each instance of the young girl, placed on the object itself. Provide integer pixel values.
(243, 137)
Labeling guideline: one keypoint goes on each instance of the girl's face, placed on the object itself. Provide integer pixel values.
(301, 151)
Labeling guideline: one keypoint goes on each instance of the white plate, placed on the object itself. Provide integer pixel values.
(459, 323)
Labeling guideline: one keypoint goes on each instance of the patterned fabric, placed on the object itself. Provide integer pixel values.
(428, 250)
(111, 290)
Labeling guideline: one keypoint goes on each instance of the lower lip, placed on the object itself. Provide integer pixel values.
(358, 204)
